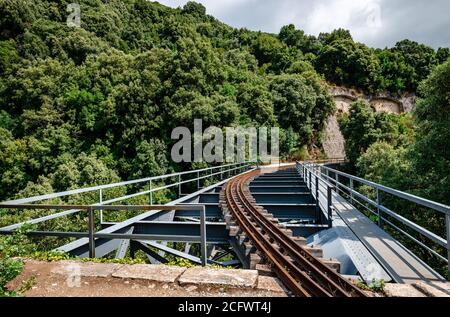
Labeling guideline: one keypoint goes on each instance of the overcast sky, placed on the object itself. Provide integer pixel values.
(378, 23)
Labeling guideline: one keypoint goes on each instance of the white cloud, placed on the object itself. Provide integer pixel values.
(377, 23)
(330, 15)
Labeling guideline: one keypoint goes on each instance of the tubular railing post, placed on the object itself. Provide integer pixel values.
(337, 182)
(198, 180)
(91, 232)
(203, 235)
(380, 223)
(151, 193)
(179, 185)
(101, 201)
(309, 179)
(329, 206)
(351, 191)
(317, 196)
(447, 224)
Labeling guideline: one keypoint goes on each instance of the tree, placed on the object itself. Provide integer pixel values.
(83, 171)
(363, 127)
(16, 15)
(272, 54)
(385, 164)
(419, 57)
(336, 35)
(296, 100)
(194, 8)
(297, 38)
(150, 159)
(255, 98)
(431, 157)
(8, 55)
(358, 129)
(345, 62)
(395, 73)
(443, 54)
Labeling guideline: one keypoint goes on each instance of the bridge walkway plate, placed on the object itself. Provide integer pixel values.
(400, 263)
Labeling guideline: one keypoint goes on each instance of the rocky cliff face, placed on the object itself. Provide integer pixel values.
(334, 143)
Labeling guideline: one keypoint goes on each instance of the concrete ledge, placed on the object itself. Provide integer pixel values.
(271, 284)
(220, 277)
(402, 290)
(85, 269)
(433, 289)
(157, 273)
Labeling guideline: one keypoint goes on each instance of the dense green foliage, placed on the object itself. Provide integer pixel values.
(430, 153)
(416, 144)
(363, 126)
(345, 62)
(407, 153)
(96, 104)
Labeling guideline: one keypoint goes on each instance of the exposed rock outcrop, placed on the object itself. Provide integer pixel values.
(334, 142)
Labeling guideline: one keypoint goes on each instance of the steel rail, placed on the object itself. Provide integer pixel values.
(274, 255)
(304, 274)
(308, 261)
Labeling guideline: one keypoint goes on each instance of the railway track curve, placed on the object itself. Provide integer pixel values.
(302, 273)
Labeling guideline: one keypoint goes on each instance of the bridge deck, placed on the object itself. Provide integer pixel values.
(401, 264)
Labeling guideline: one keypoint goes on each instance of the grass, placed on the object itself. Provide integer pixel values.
(27, 284)
(9, 269)
(376, 286)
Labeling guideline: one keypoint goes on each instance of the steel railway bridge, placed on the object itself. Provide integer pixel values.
(312, 225)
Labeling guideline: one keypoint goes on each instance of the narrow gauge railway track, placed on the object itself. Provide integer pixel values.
(301, 272)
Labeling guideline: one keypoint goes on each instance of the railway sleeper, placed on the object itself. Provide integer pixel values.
(234, 231)
(242, 237)
(249, 248)
(265, 270)
(333, 264)
(300, 241)
(288, 232)
(255, 259)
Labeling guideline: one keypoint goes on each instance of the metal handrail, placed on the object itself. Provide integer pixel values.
(224, 169)
(309, 175)
(324, 172)
(131, 182)
(410, 197)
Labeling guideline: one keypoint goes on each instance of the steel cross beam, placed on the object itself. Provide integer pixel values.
(91, 234)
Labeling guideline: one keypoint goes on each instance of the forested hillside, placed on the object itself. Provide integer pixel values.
(96, 104)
